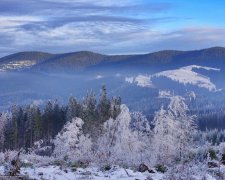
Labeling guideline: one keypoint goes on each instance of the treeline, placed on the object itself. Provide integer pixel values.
(213, 136)
(210, 119)
(25, 125)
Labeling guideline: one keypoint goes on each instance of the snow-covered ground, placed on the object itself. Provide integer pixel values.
(16, 65)
(57, 173)
(116, 173)
(140, 80)
(185, 75)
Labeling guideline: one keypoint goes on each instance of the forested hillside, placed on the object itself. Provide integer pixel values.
(46, 62)
(25, 125)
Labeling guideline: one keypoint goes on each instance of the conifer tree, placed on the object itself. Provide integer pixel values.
(90, 113)
(48, 120)
(73, 109)
(115, 107)
(104, 105)
(38, 129)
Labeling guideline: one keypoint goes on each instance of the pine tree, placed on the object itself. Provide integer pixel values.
(90, 113)
(56, 117)
(104, 105)
(17, 115)
(48, 120)
(38, 129)
(74, 109)
(115, 107)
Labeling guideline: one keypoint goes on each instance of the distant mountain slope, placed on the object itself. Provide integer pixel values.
(22, 60)
(33, 55)
(40, 61)
(170, 58)
(71, 61)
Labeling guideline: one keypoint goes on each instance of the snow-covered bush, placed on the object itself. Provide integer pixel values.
(191, 170)
(42, 148)
(35, 159)
(7, 157)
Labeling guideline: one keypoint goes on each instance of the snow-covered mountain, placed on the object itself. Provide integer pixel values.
(84, 60)
(184, 75)
(187, 75)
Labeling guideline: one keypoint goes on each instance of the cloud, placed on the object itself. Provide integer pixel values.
(75, 6)
(103, 26)
(16, 21)
(71, 25)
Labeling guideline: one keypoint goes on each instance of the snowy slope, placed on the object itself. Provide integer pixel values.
(140, 80)
(16, 65)
(186, 75)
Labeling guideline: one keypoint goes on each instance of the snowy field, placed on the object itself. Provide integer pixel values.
(184, 75)
(57, 173)
(116, 173)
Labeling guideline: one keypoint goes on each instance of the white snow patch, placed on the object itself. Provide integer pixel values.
(129, 79)
(186, 75)
(140, 80)
(16, 65)
(192, 95)
(38, 102)
(164, 94)
(143, 81)
(98, 77)
(191, 67)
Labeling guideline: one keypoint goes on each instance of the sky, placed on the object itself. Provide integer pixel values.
(110, 26)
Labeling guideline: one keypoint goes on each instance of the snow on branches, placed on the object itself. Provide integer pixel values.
(173, 130)
(119, 143)
(129, 139)
(4, 118)
(71, 142)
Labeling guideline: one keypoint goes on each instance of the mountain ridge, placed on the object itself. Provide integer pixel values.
(43, 61)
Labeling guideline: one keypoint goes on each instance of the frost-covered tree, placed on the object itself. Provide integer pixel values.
(4, 118)
(140, 123)
(119, 143)
(71, 141)
(173, 130)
